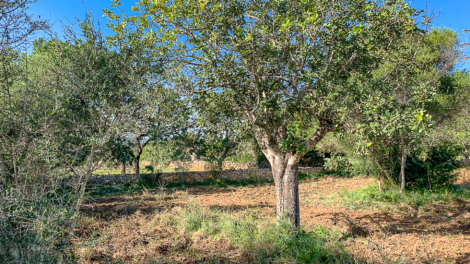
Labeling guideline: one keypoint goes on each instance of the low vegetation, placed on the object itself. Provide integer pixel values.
(371, 196)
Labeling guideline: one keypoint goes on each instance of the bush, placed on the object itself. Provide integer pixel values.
(33, 224)
(432, 168)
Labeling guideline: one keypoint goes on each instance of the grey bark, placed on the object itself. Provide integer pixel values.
(286, 179)
(284, 165)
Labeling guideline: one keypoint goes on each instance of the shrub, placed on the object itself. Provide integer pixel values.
(432, 168)
(33, 224)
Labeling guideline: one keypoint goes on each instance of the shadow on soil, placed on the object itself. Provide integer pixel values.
(452, 218)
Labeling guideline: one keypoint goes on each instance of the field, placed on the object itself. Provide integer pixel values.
(236, 224)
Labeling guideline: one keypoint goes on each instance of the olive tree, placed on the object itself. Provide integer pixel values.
(286, 67)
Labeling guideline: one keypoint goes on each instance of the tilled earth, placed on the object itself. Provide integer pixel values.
(125, 227)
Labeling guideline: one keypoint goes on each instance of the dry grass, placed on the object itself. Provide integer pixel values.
(162, 226)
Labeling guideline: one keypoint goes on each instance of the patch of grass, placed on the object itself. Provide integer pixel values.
(206, 235)
(266, 241)
(370, 196)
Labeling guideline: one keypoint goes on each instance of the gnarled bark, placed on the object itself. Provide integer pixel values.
(284, 165)
(286, 179)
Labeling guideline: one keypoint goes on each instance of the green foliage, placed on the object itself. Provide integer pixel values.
(313, 158)
(406, 118)
(162, 152)
(120, 151)
(229, 48)
(434, 167)
(371, 196)
(32, 223)
(242, 154)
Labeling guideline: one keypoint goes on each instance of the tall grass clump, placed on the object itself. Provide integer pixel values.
(265, 240)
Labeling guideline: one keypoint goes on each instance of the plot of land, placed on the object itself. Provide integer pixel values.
(135, 228)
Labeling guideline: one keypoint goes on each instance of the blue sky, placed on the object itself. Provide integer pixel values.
(454, 14)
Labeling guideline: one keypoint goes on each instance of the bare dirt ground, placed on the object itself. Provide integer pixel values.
(133, 228)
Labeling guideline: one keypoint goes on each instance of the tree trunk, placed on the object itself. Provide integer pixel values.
(137, 164)
(287, 189)
(402, 167)
(284, 164)
(123, 168)
(220, 164)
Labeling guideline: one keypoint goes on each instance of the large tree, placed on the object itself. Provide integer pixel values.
(285, 66)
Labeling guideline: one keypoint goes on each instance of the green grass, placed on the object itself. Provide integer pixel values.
(370, 196)
(266, 241)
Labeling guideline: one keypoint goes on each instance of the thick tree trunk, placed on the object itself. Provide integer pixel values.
(402, 167)
(123, 168)
(287, 189)
(284, 163)
(137, 164)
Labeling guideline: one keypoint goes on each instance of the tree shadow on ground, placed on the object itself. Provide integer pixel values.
(452, 218)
